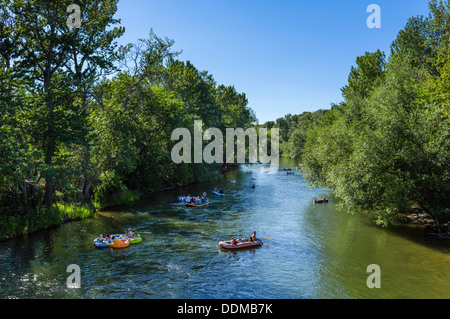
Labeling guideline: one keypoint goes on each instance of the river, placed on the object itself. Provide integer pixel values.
(309, 251)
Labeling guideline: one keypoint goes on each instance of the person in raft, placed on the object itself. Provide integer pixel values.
(109, 239)
(221, 190)
(215, 189)
(188, 198)
(100, 239)
(234, 241)
(253, 237)
(130, 234)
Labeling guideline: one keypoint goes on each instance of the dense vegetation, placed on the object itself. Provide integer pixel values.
(386, 148)
(85, 123)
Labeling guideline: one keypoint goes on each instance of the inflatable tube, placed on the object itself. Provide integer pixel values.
(136, 240)
(119, 236)
(242, 244)
(102, 244)
(319, 201)
(197, 205)
(120, 243)
(217, 193)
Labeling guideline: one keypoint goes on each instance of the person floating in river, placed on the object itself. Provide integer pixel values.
(130, 234)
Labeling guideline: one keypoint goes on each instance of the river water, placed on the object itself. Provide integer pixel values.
(309, 251)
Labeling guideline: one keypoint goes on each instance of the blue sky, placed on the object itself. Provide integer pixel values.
(287, 56)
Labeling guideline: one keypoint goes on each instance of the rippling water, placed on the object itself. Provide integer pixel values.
(314, 251)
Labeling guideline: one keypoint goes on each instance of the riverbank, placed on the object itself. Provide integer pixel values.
(13, 226)
(419, 220)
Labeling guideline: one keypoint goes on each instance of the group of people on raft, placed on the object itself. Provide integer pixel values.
(199, 199)
(111, 238)
(194, 199)
(251, 239)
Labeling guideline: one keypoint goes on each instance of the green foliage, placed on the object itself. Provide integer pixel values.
(363, 77)
(111, 191)
(54, 71)
(80, 117)
(387, 148)
(293, 131)
(411, 43)
(41, 218)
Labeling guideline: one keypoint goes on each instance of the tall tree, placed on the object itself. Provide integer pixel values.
(411, 42)
(58, 59)
(362, 78)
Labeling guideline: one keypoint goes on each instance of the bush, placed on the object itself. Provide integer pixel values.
(111, 191)
(41, 218)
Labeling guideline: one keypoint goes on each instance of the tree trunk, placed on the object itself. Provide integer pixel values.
(50, 147)
(85, 187)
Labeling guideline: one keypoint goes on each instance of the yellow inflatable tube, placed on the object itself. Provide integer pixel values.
(120, 243)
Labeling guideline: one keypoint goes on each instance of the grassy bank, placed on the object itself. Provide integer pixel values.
(123, 197)
(106, 195)
(13, 224)
(42, 218)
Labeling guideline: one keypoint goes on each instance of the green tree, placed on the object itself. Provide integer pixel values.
(234, 108)
(386, 149)
(57, 59)
(411, 43)
(363, 77)
(196, 89)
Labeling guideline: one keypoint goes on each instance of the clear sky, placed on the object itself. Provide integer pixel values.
(287, 56)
